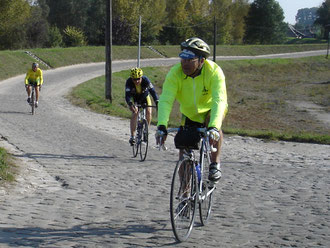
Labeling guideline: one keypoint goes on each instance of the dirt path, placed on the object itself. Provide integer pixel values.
(315, 110)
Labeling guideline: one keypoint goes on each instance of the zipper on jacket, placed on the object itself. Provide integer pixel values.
(195, 100)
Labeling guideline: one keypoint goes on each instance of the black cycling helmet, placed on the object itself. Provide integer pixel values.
(35, 65)
(197, 46)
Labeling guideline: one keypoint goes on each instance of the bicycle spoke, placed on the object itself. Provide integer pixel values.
(206, 194)
(183, 199)
(135, 147)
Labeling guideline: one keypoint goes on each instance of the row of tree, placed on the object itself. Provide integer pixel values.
(49, 23)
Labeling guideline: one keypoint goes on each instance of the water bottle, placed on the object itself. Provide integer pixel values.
(198, 170)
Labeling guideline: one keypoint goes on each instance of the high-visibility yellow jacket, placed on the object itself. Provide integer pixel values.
(196, 96)
(34, 77)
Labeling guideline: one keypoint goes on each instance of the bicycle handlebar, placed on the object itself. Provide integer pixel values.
(175, 130)
(144, 106)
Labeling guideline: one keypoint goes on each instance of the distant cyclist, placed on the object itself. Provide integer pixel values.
(33, 76)
(137, 91)
(198, 84)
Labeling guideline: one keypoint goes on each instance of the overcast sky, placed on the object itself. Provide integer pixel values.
(291, 7)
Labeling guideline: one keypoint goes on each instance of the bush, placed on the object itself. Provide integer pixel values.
(74, 37)
(55, 38)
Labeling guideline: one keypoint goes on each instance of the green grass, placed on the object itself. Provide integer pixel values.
(259, 95)
(305, 41)
(13, 63)
(6, 167)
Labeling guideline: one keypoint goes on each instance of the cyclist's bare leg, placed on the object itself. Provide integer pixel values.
(149, 114)
(185, 179)
(133, 122)
(215, 156)
(28, 90)
(37, 93)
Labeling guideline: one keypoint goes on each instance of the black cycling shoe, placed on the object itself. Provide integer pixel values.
(132, 141)
(29, 99)
(214, 172)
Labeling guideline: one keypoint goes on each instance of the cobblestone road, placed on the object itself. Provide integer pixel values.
(79, 186)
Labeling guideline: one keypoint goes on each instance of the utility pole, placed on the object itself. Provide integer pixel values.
(108, 51)
(327, 27)
(215, 40)
(139, 48)
(328, 45)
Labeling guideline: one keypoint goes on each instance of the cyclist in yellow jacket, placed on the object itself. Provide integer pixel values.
(33, 76)
(198, 84)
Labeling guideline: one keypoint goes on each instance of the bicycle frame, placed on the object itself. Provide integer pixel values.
(141, 138)
(141, 114)
(33, 98)
(205, 153)
(204, 187)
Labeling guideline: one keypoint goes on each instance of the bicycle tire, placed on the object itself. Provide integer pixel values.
(183, 206)
(206, 191)
(144, 140)
(32, 102)
(135, 146)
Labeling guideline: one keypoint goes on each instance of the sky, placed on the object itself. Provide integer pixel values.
(291, 7)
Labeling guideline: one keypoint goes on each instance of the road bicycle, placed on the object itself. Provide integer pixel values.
(190, 186)
(33, 99)
(141, 137)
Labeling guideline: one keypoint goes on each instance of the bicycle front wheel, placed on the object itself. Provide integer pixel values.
(144, 140)
(32, 102)
(135, 146)
(183, 201)
(206, 189)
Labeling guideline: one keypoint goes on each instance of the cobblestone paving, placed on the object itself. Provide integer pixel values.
(79, 186)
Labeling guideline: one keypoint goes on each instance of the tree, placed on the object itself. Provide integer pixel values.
(95, 30)
(65, 13)
(239, 11)
(306, 17)
(264, 23)
(13, 18)
(122, 33)
(324, 17)
(37, 26)
(202, 19)
(177, 27)
(126, 21)
(153, 14)
(224, 20)
(55, 38)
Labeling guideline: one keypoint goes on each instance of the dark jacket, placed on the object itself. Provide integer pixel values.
(146, 86)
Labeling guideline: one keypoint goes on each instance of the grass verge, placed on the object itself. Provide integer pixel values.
(259, 95)
(6, 167)
(14, 63)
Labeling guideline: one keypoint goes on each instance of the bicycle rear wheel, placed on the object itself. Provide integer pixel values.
(32, 102)
(183, 201)
(206, 189)
(144, 140)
